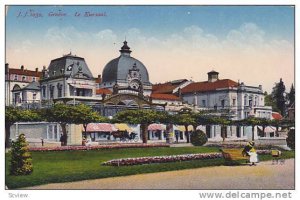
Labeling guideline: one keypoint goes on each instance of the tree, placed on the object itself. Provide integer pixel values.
(290, 140)
(270, 101)
(185, 119)
(252, 121)
(291, 95)
(278, 95)
(142, 117)
(84, 115)
(13, 115)
(21, 161)
(224, 122)
(62, 114)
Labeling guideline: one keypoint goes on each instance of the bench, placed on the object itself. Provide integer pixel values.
(233, 154)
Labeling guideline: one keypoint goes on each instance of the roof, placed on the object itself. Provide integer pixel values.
(118, 69)
(169, 97)
(32, 86)
(69, 65)
(167, 87)
(209, 86)
(100, 127)
(25, 72)
(103, 91)
(277, 116)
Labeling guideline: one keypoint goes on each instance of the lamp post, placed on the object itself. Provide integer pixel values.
(74, 95)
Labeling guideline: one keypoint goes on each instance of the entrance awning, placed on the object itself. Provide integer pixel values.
(123, 127)
(156, 127)
(100, 127)
(268, 129)
(182, 128)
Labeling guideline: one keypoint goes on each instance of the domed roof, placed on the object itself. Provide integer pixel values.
(118, 68)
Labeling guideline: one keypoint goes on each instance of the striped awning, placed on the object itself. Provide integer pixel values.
(182, 128)
(156, 127)
(268, 129)
(100, 127)
(123, 127)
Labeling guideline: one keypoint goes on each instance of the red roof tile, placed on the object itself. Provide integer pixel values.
(103, 91)
(164, 88)
(209, 86)
(25, 72)
(276, 116)
(169, 97)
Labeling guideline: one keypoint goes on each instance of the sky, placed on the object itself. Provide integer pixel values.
(250, 44)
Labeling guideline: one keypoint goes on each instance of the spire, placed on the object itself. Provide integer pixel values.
(125, 49)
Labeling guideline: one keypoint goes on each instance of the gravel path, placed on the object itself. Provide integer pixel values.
(263, 176)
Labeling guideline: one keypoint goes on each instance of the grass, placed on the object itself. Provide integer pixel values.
(55, 167)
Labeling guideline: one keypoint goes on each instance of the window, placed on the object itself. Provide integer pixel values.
(34, 96)
(44, 91)
(51, 92)
(59, 90)
(203, 103)
(16, 77)
(233, 102)
(223, 103)
(33, 79)
(245, 100)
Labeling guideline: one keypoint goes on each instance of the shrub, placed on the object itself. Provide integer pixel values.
(21, 161)
(290, 140)
(198, 138)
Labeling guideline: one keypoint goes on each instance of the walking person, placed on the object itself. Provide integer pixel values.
(250, 151)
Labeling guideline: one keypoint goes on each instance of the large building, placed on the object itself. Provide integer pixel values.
(21, 86)
(125, 84)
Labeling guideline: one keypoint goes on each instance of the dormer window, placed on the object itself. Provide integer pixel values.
(33, 79)
(23, 78)
(53, 73)
(16, 77)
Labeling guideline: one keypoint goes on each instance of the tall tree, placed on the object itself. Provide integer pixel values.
(84, 115)
(278, 95)
(62, 114)
(270, 101)
(185, 119)
(142, 117)
(291, 95)
(13, 115)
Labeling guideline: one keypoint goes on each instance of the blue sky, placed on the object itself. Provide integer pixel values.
(247, 43)
(159, 20)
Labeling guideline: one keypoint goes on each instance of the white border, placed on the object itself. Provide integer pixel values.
(129, 194)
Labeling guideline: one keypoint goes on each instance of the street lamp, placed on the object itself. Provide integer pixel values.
(74, 95)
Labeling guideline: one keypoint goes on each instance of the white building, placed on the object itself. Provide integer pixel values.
(68, 79)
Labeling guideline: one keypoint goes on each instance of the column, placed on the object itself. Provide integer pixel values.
(53, 126)
(17, 129)
(57, 133)
(47, 131)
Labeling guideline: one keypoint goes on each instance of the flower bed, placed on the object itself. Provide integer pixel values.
(98, 147)
(172, 158)
(161, 159)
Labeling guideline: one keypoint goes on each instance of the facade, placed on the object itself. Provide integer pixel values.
(69, 80)
(15, 82)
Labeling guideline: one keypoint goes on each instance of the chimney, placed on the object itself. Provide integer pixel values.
(213, 76)
(6, 68)
(22, 67)
(36, 69)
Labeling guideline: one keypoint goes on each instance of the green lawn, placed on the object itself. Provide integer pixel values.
(54, 167)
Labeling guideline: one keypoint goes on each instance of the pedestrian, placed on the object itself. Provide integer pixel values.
(61, 139)
(250, 151)
(176, 136)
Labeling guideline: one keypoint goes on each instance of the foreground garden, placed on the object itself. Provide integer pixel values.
(66, 166)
